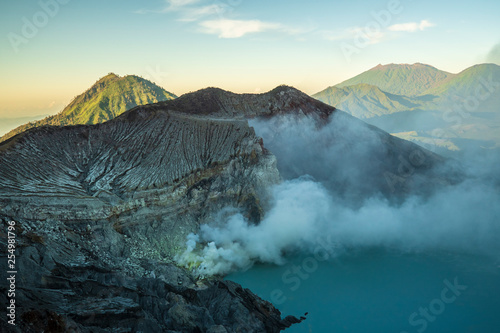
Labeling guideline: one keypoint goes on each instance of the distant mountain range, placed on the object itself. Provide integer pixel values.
(420, 103)
(107, 98)
(402, 79)
(366, 101)
(442, 111)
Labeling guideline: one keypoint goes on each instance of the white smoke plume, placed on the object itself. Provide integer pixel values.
(494, 55)
(460, 218)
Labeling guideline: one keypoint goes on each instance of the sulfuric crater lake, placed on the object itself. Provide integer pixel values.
(379, 290)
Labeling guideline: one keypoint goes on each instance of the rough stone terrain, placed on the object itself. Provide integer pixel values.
(67, 282)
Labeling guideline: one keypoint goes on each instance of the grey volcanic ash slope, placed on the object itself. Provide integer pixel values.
(101, 209)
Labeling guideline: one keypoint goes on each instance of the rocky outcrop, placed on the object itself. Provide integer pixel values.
(67, 282)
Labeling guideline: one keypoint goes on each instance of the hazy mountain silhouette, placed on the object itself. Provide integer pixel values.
(401, 79)
(425, 105)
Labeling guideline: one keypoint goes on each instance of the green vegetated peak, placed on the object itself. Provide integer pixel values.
(400, 79)
(416, 99)
(107, 98)
(387, 89)
(470, 79)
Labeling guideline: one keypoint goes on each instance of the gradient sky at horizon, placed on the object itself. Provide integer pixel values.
(238, 45)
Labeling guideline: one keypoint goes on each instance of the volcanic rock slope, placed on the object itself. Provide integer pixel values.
(100, 211)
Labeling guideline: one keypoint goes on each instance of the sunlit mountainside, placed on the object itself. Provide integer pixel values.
(109, 97)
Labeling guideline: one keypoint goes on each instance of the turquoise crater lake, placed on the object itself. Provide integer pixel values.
(382, 291)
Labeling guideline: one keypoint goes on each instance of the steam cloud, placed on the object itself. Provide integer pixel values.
(306, 210)
(494, 55)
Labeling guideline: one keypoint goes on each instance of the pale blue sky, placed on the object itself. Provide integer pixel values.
(238, 45)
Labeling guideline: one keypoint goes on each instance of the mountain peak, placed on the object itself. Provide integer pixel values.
(107, 98)
(111, 74)
(481, 67)
(393, 66)
(400, 79)
(108, 78)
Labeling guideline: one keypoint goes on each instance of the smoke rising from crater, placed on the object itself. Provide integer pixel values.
(340, 204)
(494, 55)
